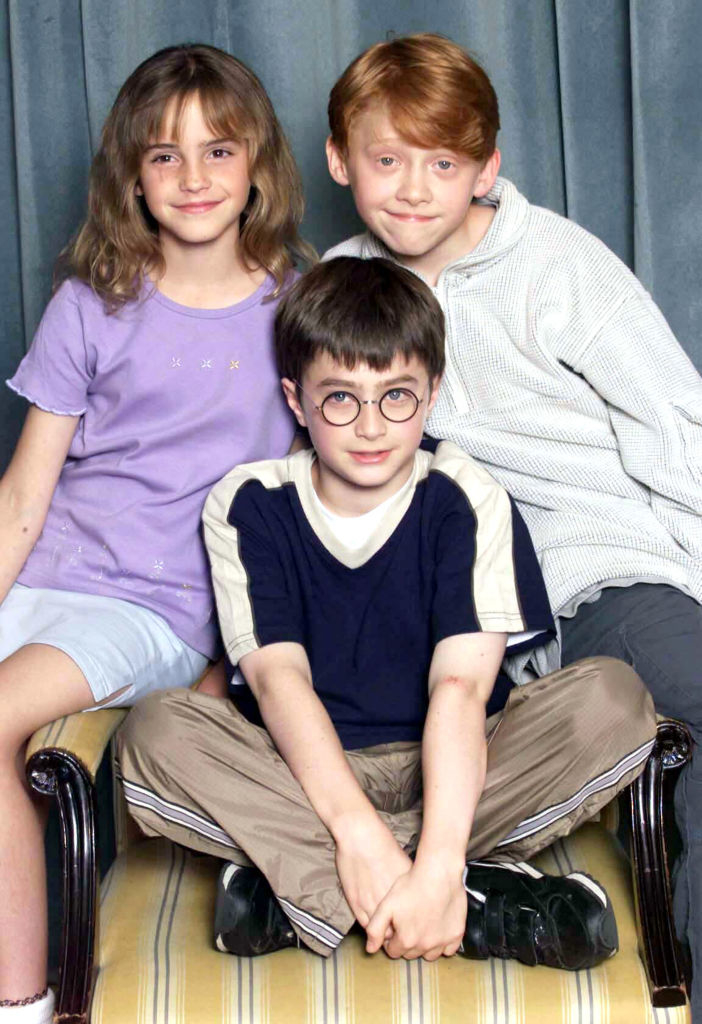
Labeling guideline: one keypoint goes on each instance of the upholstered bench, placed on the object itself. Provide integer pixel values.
(154, 960)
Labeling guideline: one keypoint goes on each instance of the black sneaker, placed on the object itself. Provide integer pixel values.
(248, 918)
(517, 912)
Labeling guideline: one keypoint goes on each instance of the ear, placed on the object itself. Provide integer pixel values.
(433, 394)
(138, 190)
(290, 392)
(486, 178)
(336, 163)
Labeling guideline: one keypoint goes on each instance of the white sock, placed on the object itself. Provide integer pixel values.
(41, 1012)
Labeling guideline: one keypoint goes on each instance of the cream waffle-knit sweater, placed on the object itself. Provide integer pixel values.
(565, 381)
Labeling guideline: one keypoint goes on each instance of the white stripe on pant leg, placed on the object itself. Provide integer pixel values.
(311, 924)
(610, 778)
(139, 796)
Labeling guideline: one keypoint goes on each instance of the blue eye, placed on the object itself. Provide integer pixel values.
(396, 395)
(340, 398)
(444, 165)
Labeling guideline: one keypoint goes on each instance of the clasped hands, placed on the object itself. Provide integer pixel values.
(409, 909)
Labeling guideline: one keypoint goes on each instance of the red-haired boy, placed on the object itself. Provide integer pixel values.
(562, 378)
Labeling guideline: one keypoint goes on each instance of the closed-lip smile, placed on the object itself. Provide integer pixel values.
(202, 207)
(378, 456)
(419, 217)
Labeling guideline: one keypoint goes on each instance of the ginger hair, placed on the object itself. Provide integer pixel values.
(434, 92)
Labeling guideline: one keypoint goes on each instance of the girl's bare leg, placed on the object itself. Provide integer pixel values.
(214, 681)
(37, 684)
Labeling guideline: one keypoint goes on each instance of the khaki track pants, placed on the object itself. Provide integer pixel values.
(197, 772)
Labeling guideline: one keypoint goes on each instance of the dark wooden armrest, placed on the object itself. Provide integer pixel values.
(654, 903)
(68, 775)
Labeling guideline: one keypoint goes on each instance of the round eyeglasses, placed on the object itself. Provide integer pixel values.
(340, 408)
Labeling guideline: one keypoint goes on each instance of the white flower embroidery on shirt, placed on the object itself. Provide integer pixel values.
(233, 364)
(156, 569)
(102, 562)
(176, 362)
(77, 550)
(205, 364)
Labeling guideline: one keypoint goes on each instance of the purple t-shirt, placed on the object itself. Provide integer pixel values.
(170, 398)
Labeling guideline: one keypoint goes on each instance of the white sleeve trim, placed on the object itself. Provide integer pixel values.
(41, 405)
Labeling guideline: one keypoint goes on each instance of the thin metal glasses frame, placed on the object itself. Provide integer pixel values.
(360, 402)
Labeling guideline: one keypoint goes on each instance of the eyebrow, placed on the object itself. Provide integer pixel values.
(406, 378)
(395, 140)
(202, 145)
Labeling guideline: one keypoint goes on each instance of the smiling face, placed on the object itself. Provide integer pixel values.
(361, 464)
(196, 186)
(416, 200)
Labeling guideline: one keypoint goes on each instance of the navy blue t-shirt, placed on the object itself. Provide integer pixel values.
(451, 555)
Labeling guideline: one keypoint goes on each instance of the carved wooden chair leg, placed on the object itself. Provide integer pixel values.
(658, 942)
(60, 774)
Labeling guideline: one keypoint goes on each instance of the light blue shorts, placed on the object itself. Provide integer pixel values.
(114, 643)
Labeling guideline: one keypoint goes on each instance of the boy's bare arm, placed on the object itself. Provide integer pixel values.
(368, 858)
(425, 911)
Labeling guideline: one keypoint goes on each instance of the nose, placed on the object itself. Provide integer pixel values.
(413, 186)
(370, 422)
(194, 176)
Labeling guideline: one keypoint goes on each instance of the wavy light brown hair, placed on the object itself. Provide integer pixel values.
(118, 243)
(435, 94)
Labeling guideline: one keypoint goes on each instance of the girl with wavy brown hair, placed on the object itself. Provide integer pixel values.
(150, 375)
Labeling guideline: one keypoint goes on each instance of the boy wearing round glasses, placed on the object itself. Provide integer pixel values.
(367, 589)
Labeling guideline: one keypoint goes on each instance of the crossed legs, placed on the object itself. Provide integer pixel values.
(196, 771)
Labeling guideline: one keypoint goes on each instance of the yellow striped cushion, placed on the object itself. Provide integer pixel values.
(157, 964)
(85, 734)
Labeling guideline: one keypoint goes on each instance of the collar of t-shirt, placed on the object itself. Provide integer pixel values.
(354, 531)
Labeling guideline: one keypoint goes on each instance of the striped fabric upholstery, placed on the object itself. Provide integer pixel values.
(157, 964)
(84, 734)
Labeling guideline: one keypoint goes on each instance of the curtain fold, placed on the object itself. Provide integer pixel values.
(600, 106)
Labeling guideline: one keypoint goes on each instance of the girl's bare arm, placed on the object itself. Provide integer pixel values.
(27, 487)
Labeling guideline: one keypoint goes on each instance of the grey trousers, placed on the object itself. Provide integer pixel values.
(657, 630)
(198, 772)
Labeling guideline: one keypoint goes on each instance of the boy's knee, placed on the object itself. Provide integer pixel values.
(610, 697)
(150, 726)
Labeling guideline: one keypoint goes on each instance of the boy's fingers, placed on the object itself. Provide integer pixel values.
(452, 948)
(393, 948)
(434, 953)
(377, 930)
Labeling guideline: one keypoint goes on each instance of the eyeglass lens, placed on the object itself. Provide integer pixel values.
(396, 405)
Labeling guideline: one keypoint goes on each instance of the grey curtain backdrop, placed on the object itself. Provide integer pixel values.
(601, 109)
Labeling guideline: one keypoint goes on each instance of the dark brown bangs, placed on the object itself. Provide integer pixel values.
(372, 349)
(359, 311)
